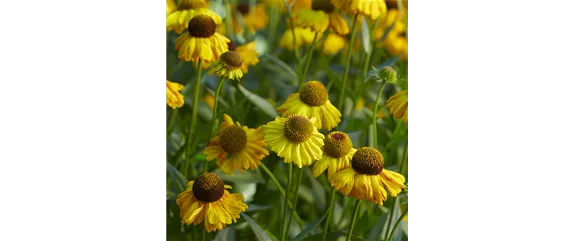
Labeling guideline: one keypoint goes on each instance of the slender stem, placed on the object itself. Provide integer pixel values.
(203, 234)
(397, 224)
(214, 116)
(375, 109)
(404, 162)
(294, 38)
(290, 175)
(330, 212)
(357, 207)
(394, 201)
(347, 64)
(309, 57)
(195, 101)
(278, 185)
(170, 123)
(294, 209)
(230, 30)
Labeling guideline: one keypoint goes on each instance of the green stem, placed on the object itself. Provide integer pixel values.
(397, 224)
(203, 234)
(404, 162)
(357, 207)
(194, 110)
(394, 201)
(171, 123)
(375, 109)
(347, 65)
(330, 212)
(309, 57)
(294, 209)
(278, 185)
(228, 21)
(290, 176)
(295, 49)
(214, 116)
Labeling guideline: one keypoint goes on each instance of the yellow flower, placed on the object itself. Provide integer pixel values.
(393, 16)
(174, 98)
(396, 45)
(303, 36)
(209, 100)
(398, 105)
(229, 66)
(366, 178)
(371, 8)
(206, 200)
(201, 42)
(247, 53)
(177, 21)
(236, 147)
(254, 19)
(170, 6)
(333, 44)
(294, 138)
(312, 100)
(337, 153)
(321, 16)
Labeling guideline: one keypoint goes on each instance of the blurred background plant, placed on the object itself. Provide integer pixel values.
(261, 32)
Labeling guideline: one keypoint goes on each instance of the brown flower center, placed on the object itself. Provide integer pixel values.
(208, 187)
(313, 93)
(231, 45)
(322, 5)
(231, 58)
(368, 161)
(298, 128)
(337, 144)
(201, 26)
(243, 8)
(233, 139)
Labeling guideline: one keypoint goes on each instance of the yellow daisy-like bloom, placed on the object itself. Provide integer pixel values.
(333, 44)
(371, 8)
(206, 200)
(303, 36)
(337, 153)
(174, 98)
(397, 45)
(393, 16)
(254, 20)
(236, 147)
(201, 42)
(398, 105)
(367, 179)
(177, 21)
(321, 16)
(170, 6)
(294, 138)
(247, 53)
(312, 100)
(229, 66)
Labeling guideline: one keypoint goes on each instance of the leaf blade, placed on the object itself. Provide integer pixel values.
(259, 232)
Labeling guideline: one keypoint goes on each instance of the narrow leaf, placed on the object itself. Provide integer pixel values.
(377, 229)
(258, 101)
(365, 36)
(282, 65)
(179, 182)
(310, 228)
(261, 235)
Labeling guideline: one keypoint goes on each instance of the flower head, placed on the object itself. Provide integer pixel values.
(178, 20)
(312, 100)
(174, 98)
(294, 138)
(333, 44)
(370, 8)
(253, 19)
(201, 42)
(247, 53)
(296, 4)
(229, 66)
(236, 147)
(321, 16)
(303, 36)
(367, 179)
(337, 153)
(206, 199)
(398, 105)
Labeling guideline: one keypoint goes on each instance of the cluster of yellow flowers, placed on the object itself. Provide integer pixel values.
(294, 135)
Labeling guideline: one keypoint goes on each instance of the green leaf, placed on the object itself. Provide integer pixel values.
(226, 234)
(241, 177)
(310, 228)
(365, 36)
(377, 229)
(261, 235)
(263, 104)
(282, 65)
(179, 182)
